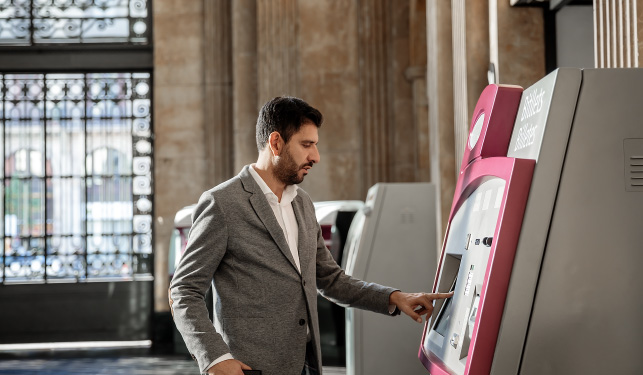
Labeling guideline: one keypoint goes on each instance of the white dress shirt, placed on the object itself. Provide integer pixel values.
(283, 212)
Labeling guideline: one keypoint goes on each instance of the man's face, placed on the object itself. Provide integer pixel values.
(298, 156)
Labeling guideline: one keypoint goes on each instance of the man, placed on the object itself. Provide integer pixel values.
(256, 238)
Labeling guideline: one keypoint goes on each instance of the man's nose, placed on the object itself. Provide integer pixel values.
(314, 155)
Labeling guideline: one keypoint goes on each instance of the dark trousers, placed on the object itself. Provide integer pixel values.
(310, 364)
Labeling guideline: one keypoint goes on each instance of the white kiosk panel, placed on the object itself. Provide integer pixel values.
(466, 256)
(392, 241)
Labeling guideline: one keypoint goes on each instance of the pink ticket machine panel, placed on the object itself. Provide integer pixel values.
(480, 241)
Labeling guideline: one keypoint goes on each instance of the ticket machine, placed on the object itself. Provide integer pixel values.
(547, 279)
(392, 241)
(482, 234)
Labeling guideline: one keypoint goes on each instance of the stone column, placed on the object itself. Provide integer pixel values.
(328, 63)
(470, 64)
(398, 59)
(180, 163)
(375, 115)
(416, 74)
(217, 77)
(277, 42)
(440, 102)
(618, 32)
(244, 68)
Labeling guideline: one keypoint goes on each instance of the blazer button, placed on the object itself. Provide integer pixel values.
(304, 282)
(302, 322)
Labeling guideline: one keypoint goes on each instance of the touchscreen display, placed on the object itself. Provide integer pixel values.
(442, 322)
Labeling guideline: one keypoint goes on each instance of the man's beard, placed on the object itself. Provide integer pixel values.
(287, 170)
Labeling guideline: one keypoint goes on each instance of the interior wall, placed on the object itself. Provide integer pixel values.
(521, 44)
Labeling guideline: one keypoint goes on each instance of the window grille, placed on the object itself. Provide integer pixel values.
(33, 22)
(77, 187)
(77, 177)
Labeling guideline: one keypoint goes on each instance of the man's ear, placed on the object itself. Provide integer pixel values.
(275, 142)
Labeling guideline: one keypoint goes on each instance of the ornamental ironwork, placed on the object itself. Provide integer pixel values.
(34, 22)
(77, 178)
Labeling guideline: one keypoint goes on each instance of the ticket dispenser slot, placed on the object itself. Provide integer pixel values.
(480, 242)
(471, 322)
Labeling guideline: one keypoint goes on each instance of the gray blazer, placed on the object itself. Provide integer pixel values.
(262, 302)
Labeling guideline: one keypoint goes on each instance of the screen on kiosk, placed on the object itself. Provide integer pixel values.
(442, 321)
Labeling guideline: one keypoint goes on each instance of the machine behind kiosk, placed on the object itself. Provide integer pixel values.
(392, 241)
(573, 302)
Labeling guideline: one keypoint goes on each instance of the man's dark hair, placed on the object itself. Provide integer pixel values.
(285, 115)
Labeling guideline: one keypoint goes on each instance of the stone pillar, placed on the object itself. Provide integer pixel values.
(470, 64)
(217, 77)
(277, 42)
(441, 104)
(244, 68)
(328, 62)
(180, 162)
(398, 59)
(618, 32)
(375, 114)
(416, 74)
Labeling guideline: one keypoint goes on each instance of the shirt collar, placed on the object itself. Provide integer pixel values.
(290, 192)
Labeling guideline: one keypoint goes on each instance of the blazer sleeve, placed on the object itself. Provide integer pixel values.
(206, 247)
(344, 290)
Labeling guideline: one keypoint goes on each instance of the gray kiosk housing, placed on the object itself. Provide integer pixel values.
(392, 241)
(575, 298)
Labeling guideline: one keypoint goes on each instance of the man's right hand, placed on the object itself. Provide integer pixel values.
(228, 367)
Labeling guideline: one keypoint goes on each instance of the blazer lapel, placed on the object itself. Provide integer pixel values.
(266, 215)
(304, 255)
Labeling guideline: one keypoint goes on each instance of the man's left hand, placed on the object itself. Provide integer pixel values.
(416, 304)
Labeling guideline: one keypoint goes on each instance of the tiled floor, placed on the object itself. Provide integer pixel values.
(86, 366)
(147, 365)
